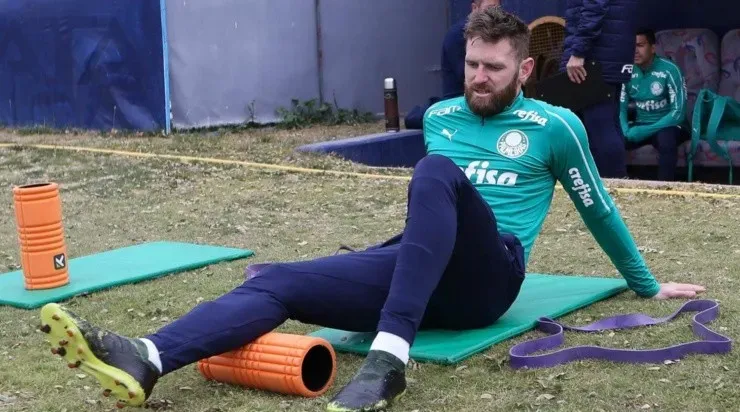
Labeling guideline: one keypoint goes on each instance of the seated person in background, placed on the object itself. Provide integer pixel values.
(453, 65)
(658, 91)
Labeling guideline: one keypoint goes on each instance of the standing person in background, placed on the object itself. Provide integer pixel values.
(602, 31)
(658, 90)
(453, 53)
(453, 65)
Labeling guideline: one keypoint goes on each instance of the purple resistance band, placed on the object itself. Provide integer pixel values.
(711, 342)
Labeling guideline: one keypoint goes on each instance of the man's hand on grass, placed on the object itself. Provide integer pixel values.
(673, 290)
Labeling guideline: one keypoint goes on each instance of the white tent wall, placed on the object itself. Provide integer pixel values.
(366, 41)
(229, 55)
(234, 61)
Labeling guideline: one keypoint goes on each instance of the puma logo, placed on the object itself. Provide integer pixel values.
(448, 134)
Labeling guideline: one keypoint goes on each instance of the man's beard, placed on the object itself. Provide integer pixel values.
(495, 103)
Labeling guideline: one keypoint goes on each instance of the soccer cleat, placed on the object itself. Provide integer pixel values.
(120, 364)
(380, 381)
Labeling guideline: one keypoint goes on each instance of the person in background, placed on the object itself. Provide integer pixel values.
(453, 53)
(453, 65)
(602, 31)
(658, 90)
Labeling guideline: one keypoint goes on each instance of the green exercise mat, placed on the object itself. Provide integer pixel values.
(541, 295)
(117, 267)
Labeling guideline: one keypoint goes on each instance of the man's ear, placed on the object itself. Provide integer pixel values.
(525, 69)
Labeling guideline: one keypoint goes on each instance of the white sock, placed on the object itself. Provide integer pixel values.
(153, 353)
(395, 345)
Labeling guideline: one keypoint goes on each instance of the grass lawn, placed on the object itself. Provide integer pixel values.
(112, 201)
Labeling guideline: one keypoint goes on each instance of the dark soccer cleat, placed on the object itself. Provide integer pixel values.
(380, 381)
(120, 364)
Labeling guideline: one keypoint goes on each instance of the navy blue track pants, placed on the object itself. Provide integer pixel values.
(450, 269)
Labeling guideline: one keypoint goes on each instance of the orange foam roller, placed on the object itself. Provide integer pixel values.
(38, 213)
(277, 362)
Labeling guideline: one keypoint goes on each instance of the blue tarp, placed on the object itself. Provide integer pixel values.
(393, 149)
(82, 64)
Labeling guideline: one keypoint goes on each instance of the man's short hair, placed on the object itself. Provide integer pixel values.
(494, 24)
(648, 33)
(478, 2)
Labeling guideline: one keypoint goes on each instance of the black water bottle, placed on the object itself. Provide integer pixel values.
(390, 95)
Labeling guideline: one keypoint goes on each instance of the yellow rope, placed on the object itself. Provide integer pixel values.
(328, 172)
(208, 160)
